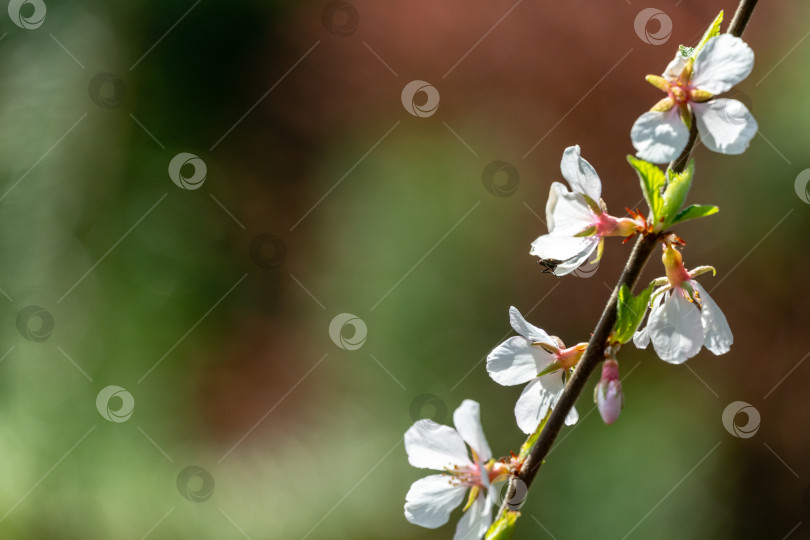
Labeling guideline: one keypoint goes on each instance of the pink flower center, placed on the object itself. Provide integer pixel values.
(466, 475)
(607, 225)
(679, 92)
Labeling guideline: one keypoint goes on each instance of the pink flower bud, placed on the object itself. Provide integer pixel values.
(608, 395)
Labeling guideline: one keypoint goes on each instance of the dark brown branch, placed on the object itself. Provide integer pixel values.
(741, 17)
(595, 353)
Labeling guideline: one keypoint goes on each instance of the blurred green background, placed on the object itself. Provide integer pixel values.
(323, 196)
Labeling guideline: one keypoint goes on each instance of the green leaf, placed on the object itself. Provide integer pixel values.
(685, 51)
(695, 211)
(652, 180)
(630, 311)
(674, 196)
(503, 528)
(712, 31)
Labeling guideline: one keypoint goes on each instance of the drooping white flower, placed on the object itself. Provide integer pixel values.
(684, 317)
(536, 358)
(430, 500)
(691, 81)
(577, 220)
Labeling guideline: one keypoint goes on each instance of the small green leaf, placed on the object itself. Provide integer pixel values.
(630, 311)
(685, 51)
(652, 180)
(674, 196)
(695, 211)
(503, 528)
(712, 31)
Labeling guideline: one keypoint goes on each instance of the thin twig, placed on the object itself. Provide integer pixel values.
(595, 353)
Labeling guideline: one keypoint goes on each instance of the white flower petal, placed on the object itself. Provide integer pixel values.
(474, 523)
(725, 125)
(535, 401)
(467, 419)
(562, 248)
(567, 213)
(517, 361)
(566, 267)
(528, 330)
(433, 446)
(431, 499)
(723, 62)
(572, 417)
(659, 137)
(716, 331)
(580, 174)
(642, 337)
(675, 67)
(676, 332)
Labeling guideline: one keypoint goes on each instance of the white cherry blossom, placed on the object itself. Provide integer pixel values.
(577, 219)
(691, 83)
(536, 358)
(684, 318)
(431, 499)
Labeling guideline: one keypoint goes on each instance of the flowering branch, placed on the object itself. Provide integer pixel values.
(595, 353)
(683, 318)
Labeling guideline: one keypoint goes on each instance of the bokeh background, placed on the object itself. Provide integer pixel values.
(323, 195)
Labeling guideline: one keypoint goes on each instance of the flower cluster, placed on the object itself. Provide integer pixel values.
(682, 317)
